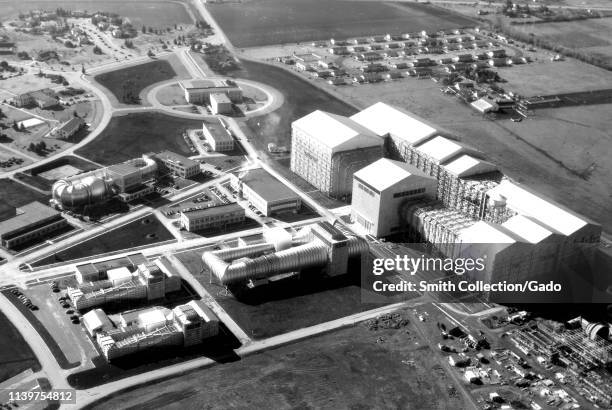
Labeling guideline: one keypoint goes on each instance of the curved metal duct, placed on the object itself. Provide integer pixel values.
(77, 192)
(234, 265)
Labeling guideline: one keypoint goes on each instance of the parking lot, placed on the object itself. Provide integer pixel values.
(63, 324)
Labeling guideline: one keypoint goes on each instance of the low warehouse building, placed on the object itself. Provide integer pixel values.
(213, 217)
(199, 91)
(33, 221)
(266, 193)
(69, 128)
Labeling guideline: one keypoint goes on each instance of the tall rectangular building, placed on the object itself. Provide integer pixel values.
(327, 149)
(380, 192)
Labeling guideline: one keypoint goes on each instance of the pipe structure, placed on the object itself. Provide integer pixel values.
(235, 265)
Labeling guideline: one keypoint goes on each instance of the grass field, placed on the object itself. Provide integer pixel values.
(301, 98)
(593, 35)
(16, 194)
(130, 136)
(15, 355)
(287, 305)
(155, 13)
(344, 369)
(127, 83)
(143, 231)
(261, 22)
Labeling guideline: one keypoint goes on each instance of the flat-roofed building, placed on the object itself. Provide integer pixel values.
(43, 98)
(177, 164)
(327, 149)
(199, 91)
(32, 221)
(217, 136)
(69, 128)
(213, 217)
(266, 193)
(382, 189)
(149, 280)
(220, 104)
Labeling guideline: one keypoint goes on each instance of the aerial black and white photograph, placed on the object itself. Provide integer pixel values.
(305, 204)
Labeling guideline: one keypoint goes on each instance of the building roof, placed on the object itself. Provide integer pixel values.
(545, 211)
(336, 132)
(154, 316)
(266, 186)
(527, 229)
(213, 210)
(486, 233)
(466, 166)
(203, 311)
(176, 158)
(219, 98)
(385, 173)
(383, 119)
(30, 122)
(121, 274)
(71, 125)
(216, 131)
(484, 105)
(96, 319)
(122, 169)
(29, 214)
(441, 149)
(207, 84)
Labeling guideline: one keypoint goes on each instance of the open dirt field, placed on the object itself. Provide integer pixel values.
(343, 369)
(261, 22)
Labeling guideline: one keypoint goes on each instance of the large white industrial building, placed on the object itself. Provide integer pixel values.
(381, 189)
(475, 210)
(135, 331)
(327, 149)
(400, 128)
(150, 280)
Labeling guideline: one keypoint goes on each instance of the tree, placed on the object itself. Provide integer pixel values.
(144, 29)
(83, 69)
(22, 127)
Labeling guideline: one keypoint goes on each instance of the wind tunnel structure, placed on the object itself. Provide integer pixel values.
(97, 186)
(319, 245)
